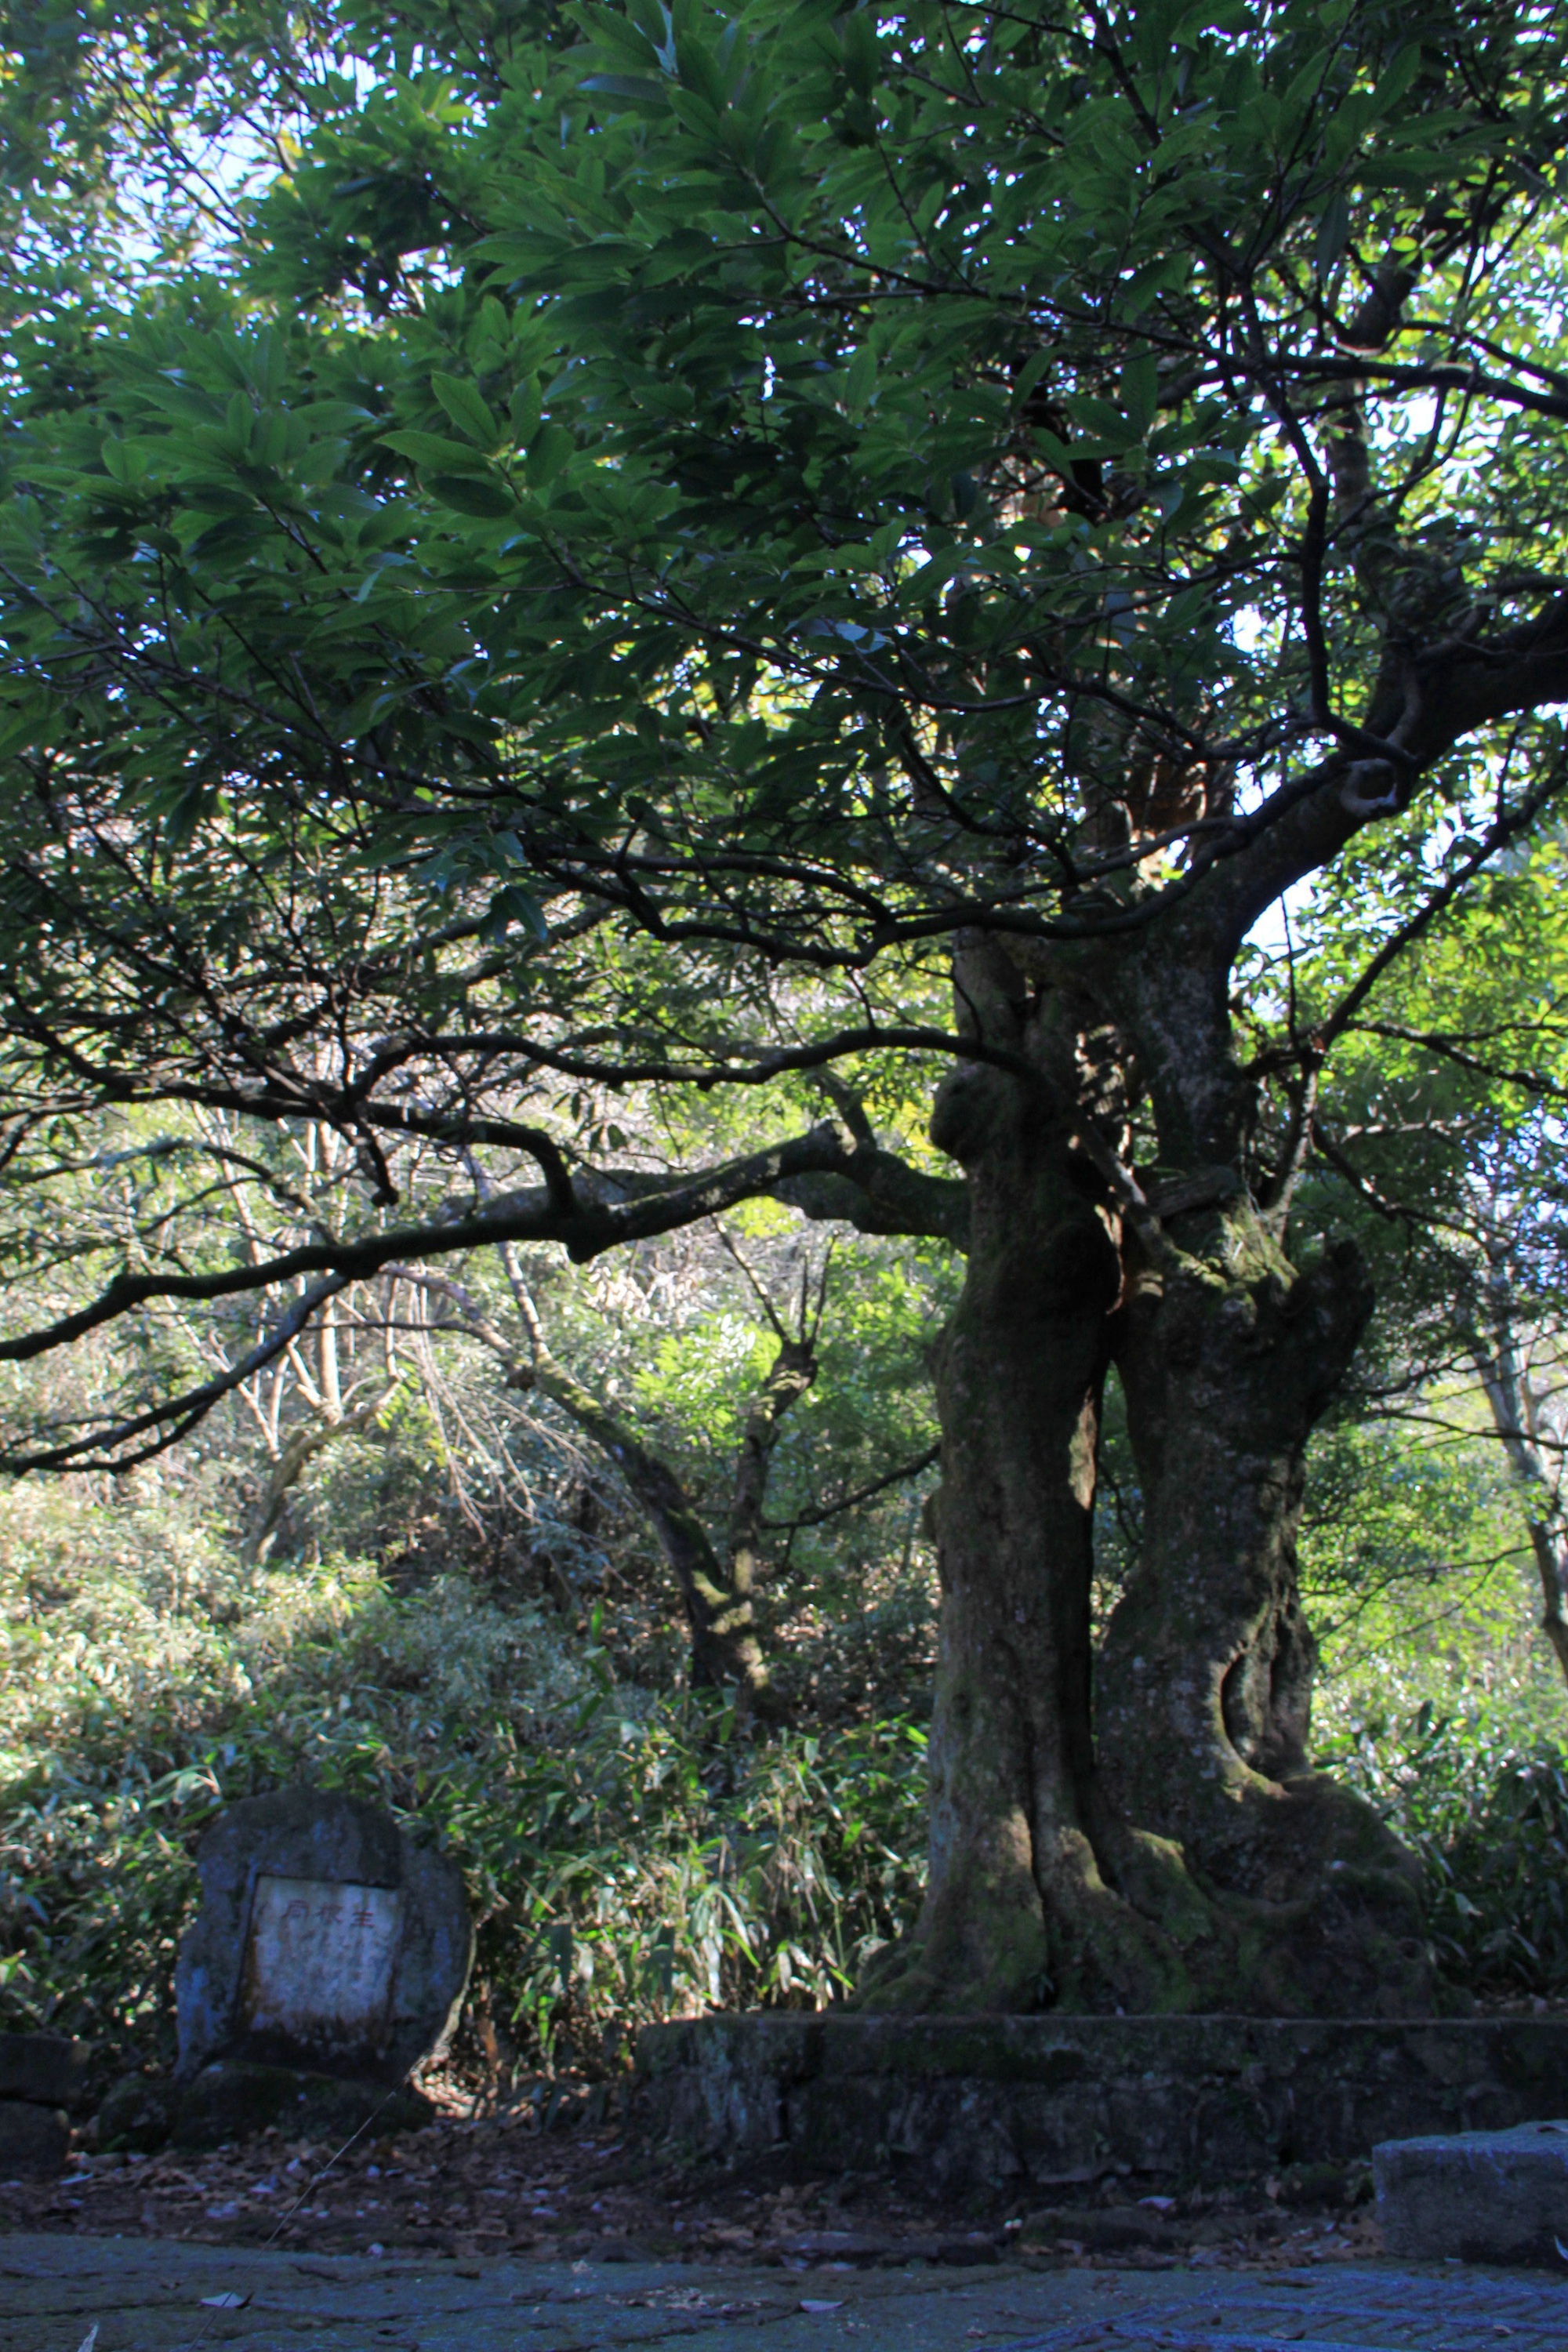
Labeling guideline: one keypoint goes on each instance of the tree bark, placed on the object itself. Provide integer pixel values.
(1019, 1371)
(1501, 1362)
(793, 1370)
(1017, 1913)
(1549, 1545)
(1143, 1833)
(1205, 1680)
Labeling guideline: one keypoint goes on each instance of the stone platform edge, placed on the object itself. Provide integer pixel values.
(1063, 2102)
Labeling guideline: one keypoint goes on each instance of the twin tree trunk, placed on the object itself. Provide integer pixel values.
(1141, 1830)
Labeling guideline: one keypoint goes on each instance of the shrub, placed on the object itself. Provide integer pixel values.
(626, 1857)
(1488, 1816)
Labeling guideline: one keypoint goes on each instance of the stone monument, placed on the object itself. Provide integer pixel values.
(329, 1957)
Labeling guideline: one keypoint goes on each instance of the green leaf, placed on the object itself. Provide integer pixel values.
(1394, 84)
(1029, 374)
(513, 907)
(548, 451)
(489, 499)
(429, 449)
(862, 379)
(862, 57)
(467, 409)
(526, 407)
(1333, 232)
(1139, 392)
(615, 85)
(1106, 423)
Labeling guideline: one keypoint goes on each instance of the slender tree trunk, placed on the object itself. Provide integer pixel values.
(1549, 1542)
(1512, 1400)
(793, 1370)
(286, 1468)
(720, 1615)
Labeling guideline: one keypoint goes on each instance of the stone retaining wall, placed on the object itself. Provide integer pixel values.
(40, 2077)
(1063, 2102)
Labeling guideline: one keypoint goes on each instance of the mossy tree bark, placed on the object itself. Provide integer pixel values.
(1142, 1831)
(1016, 1901)
(1205, 1678)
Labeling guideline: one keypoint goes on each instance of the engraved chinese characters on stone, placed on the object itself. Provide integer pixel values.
(328, 1939)
(318, 1959)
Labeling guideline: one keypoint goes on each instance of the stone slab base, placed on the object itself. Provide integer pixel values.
(34, 2140)
(1487, 2197)
(46, 2068)
(137, 2112)
(231, 2099)
(1060, 2103)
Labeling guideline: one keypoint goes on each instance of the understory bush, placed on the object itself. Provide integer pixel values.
(1487, 1813)
(627, 1855)
(630, 1853)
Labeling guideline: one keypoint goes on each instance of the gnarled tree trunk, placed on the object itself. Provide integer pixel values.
(1142, 1832)
(1019, 1373)
(1205, 1680)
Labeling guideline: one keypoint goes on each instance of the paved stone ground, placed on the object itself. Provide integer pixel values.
(60, 2295)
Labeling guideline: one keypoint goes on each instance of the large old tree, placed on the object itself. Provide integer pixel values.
(731, 553)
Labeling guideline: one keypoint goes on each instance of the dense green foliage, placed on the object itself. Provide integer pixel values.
(552, 562)
(1488, 1814)
(626, 1857)
(643, 522)
(630, 1854)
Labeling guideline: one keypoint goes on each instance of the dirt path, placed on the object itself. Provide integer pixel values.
(459, 2190)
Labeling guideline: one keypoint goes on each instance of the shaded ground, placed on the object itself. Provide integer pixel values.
(94, 2295)
(459, 2190)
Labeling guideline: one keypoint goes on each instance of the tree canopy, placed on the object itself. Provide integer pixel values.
(628, 551)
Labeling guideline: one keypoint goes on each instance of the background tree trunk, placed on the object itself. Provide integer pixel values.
(791, 1373)
(720, 1612)
(1500, 1359)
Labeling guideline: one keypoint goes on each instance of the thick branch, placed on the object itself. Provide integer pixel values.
(585, 1230)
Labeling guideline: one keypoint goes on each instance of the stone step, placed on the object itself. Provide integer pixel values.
(1480, 2196)
(44, 2067)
